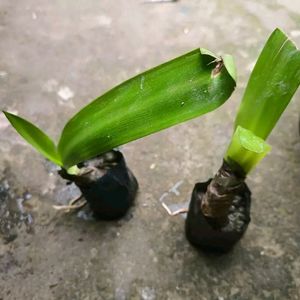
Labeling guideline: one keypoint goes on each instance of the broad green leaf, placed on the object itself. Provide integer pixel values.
(273, 82)
(176, 91)
(34, 136)
(246, 149)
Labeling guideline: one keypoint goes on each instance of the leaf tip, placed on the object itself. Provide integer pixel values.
(207, 52)
(5, 113)
(9, 116)
(230, 66)
(226, 61)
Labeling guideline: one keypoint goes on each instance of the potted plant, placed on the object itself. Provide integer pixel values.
(219, 211)
(176, 91)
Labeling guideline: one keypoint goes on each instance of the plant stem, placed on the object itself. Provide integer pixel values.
(221, 192)
(246, 149)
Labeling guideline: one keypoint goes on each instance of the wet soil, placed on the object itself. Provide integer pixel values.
(107, 185)
(202, 231)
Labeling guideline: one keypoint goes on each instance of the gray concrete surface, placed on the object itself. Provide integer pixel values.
(58, 55)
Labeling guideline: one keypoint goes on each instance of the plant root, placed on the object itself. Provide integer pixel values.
(174, 213)
(72, 205)
(89, 170)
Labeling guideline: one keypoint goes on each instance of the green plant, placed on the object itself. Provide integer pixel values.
(272, 84)
(222, 204)
(176, 91)
(186, 87)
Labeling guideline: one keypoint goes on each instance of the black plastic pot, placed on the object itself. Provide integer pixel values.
(202, 231)
(108, 185)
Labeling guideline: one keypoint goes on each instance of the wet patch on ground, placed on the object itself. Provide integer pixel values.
(13, 211)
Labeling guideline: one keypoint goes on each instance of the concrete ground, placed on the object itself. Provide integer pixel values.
(56, 56)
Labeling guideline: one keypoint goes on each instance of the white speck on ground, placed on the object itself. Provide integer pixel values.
(152, 166)
(295, 33)
(65, 93)
(104, 21)
(34, 16)
(186, 30)
(3, 74)
(148, 293)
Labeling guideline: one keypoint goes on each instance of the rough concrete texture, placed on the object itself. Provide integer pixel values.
(56, 56)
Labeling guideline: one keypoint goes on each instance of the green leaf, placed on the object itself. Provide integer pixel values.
(230, 66)
(246, 149)
(273, 82)
(34, 136)
(176, 91)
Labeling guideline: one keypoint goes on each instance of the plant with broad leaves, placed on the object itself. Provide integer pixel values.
(219, 211)
(176, 91)
(171, 93)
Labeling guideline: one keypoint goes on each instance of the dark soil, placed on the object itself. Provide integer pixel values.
(107, 184)
(201, 230)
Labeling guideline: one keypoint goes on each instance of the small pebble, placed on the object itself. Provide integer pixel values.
(65, 93)
(34, 16)
(104, 21)
(148, 293)
(295, 33)
(152, 166)
(186, 30)
(27, 196)
(3, 74)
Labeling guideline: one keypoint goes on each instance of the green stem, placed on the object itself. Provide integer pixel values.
(246, 149)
